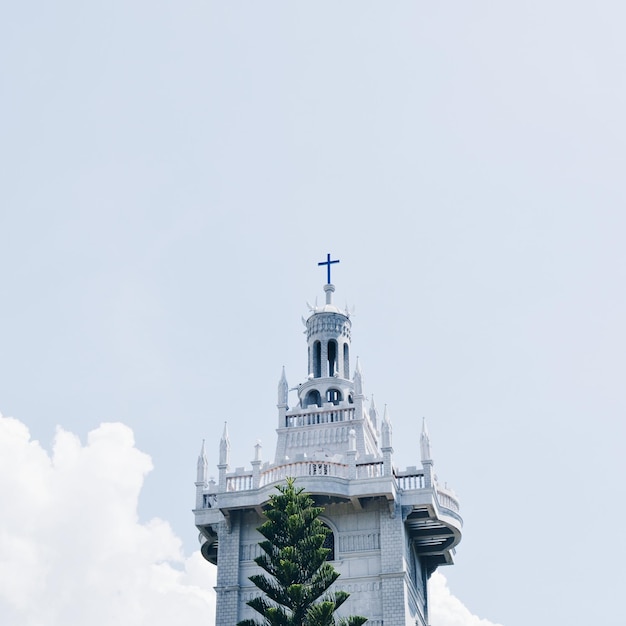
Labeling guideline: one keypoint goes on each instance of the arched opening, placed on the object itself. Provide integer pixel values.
(313, 398)
(346, 361)
(329, 543)
(332, 357)
(334, 396)
(317, 359)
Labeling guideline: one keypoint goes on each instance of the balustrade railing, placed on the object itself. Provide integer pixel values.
(410, 481)
(329, 416)
(209, 500)
(447, 500)
(299, 469)
(239, 482)
(369, 470)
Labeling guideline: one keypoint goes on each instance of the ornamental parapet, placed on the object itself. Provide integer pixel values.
(430, 512)
(316, 416)
(411, 480)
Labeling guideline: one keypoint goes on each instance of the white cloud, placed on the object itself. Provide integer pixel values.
(73, 551)
(446, 609)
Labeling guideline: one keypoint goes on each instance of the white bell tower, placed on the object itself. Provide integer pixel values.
(390, 528)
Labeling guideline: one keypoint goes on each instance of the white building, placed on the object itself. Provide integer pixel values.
(390, 528)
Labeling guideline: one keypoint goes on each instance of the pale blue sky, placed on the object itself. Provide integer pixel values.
(171, 173)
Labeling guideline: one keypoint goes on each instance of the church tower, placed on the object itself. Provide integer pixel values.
(390, 528)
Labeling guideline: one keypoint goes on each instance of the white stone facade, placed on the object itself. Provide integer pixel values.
(391, 529)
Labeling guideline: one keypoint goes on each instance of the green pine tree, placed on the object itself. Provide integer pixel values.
(296, 587)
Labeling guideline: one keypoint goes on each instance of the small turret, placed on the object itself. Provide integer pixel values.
(373, 413)
(387, 448)
(224, 458)
(224, 447)
(201, 477)
(427, 462)
(203, 465)
(386, 429)
(425, 442)
(358, 379)
(283, 391)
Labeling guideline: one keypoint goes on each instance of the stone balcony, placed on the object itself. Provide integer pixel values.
(430, 511)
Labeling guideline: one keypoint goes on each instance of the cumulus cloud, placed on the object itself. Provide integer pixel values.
(446, 609)
(73, 551)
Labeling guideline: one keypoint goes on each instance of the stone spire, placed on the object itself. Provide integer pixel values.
(373, 413)
(203, 465)
(425, 442)
(224, 458)
(283, 391)
(387, 448)
(224, 447)
(386, 429)
(358, 379)
(427, 462)
(201, 477)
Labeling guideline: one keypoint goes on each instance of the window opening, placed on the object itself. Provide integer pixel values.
(332, 357)
(313, 397)
(317, 359)
(329, 543)
(334, 396)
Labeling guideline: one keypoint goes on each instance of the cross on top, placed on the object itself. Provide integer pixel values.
(328, 263)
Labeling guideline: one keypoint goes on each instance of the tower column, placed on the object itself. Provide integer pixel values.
(227, 587)
(324, 361)
(392, 575)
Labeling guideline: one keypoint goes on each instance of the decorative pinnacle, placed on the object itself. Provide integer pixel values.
(373, 412)
(202, 465)
(425, 442)
(283, 390)
(202, 456)
(386, 419)
(224, 447)
(358, 378)
(386, 430)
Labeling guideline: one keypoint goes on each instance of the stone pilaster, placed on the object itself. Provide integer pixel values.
(392, 575)
(227, 587)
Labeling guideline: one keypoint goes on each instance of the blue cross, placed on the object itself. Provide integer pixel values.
(328, 263)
